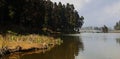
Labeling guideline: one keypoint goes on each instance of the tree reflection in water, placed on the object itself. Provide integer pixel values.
(118, 40)
(68, 50)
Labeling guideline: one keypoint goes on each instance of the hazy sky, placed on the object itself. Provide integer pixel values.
(97, 12)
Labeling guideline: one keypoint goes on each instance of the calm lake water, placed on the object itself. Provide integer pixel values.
(81, 46)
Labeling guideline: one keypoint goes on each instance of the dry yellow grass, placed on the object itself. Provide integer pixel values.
(27, 42)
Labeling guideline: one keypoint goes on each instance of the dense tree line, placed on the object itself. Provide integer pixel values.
(117, 26)
(37, 16)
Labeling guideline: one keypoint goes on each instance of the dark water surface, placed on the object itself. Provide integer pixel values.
(81, 46)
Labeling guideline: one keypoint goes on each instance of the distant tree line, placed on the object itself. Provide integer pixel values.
(37, 16)
(117, 26)
(105, 29)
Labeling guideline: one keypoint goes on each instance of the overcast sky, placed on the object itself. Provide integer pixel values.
(97, 12)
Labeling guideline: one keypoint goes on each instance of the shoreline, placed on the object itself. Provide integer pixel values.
(12, 43)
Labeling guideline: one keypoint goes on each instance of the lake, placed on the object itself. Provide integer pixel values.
(81, 46)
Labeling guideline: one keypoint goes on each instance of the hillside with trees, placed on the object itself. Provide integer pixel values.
(38, 16)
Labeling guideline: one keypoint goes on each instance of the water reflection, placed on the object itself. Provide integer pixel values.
(100, 46)
(68, 50)
(118, 40)
(72, 44)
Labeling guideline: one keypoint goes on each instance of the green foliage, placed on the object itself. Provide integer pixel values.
(31, 16)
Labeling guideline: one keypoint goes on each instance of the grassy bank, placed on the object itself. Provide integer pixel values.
(18, 43)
